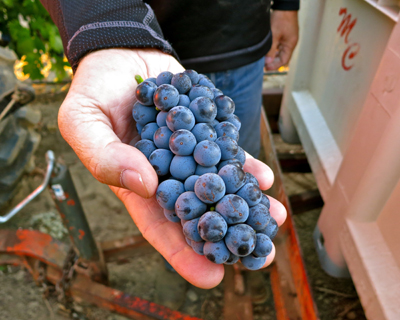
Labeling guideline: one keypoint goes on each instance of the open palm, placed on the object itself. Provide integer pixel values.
(96, 120)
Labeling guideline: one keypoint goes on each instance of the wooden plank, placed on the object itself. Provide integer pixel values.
(296, 292)
(236, 307)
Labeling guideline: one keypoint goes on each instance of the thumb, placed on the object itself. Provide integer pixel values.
(272, 53)
(89, 132)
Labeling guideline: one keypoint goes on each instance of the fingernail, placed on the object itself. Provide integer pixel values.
(132, 180)
(269, 59)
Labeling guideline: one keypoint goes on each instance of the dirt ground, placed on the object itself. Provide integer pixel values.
(145, 277)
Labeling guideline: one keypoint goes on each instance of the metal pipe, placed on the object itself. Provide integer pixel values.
(50, 165)
(71, 211)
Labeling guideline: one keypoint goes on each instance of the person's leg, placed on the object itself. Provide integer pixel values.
(244, 86)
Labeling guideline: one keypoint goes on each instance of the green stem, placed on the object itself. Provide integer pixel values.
(139, 79)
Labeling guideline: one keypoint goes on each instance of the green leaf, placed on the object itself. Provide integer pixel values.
(33, 66)
(9, 3)
(41, 37)
(55, 40)
(25, 45)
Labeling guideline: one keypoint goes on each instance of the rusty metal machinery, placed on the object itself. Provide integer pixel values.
(18, 140)
(78, 271)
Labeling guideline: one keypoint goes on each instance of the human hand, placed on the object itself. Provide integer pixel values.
(285, 33)
(96, 120)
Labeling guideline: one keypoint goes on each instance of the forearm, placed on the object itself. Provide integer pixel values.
(86, 26)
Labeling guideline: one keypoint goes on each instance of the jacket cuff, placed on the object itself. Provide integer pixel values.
(286, 5)
(113, 34)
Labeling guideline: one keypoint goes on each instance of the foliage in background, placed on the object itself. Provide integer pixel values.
(32, 33)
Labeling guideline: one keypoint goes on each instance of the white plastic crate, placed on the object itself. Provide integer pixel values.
(343, 96)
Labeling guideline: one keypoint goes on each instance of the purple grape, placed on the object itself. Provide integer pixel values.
(205, 81)
(139, 127)
(233, 209)
(143, 114)
(216, 92)
(152, 79)
(171, 215)
(271, 229)
(193, 75)
(232, 259)
(251, 179)
(182, 142)
(209, 188)
(204, 131)
(200, 91)
(207, 153)
(180, 118)
(251, 193)
(184, 100)
(200, 170)
(214, 123)
(234, 119)
(164, 78)
(203, 109)
(161, 137)
(166, 97)
(161, 118)
(146, 147)
(145, 92)
(225, 107)
(168, 192)
(234, 178)
(263, 245)
(227, 129)
(241, 155)
(240, 239)
(212, 226)
(190, 230)
(189, 183)
(253, 263)
(216, 252)
(182, 167)
(161, 159)
(229, 147)
(234, 162)
(258, 217)
(265, 200)
(181, 82)
(188, 206)
(198, 247)
(149, 130)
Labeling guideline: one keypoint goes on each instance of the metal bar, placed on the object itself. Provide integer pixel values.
(36, 192)
(136, 308)
(288, 252)
(34, 244)
(125, 248)
(72, 214)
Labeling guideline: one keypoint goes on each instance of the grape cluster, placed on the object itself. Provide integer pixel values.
(189, 134)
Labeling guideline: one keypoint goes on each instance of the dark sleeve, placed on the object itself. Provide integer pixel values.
(286, 5)
(88, 25)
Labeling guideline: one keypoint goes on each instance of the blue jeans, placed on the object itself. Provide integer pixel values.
(244, 86)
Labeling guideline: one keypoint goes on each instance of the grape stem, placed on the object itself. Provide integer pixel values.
(139, 79)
